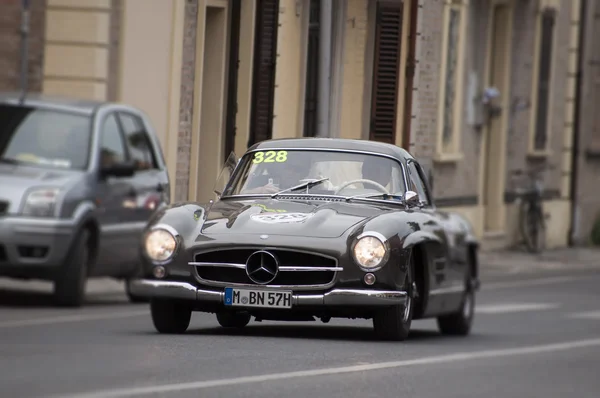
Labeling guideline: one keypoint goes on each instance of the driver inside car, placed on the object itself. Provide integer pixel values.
(378, 170)
(278, 176)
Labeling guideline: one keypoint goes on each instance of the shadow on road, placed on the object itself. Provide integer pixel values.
(317, 332)
(35, 299)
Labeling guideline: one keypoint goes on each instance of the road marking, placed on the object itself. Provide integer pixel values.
(461, 356)
(70, 318)
(585, 315)
(532, 282)
(515, 307)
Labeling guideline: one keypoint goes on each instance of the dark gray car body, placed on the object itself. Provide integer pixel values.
(112, 208)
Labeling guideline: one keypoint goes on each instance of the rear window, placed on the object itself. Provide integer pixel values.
(43, 137)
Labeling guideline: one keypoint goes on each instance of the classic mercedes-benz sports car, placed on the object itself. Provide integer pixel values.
(313, 228)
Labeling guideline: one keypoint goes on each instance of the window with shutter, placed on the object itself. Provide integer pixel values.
(265, 52)
(384, 101)
(546, 40)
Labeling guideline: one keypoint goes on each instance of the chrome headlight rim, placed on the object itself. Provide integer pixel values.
(176, 237)
(386, 245)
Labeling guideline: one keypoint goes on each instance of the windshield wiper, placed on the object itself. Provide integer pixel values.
(307, 185)
(384, 196)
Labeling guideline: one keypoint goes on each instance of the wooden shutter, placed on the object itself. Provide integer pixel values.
(265, 52)
(388, 39)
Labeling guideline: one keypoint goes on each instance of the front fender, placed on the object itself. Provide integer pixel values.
(186, 218)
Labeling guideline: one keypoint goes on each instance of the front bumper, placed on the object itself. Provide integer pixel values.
(31, 242)
(333, 297)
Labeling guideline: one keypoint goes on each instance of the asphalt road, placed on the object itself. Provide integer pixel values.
(534, 336)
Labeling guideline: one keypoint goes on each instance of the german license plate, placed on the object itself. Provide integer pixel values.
(258, 298)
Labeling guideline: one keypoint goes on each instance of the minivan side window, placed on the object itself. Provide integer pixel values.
(138, 142)
(112, 147)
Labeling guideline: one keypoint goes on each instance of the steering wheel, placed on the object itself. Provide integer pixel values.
(368, 182)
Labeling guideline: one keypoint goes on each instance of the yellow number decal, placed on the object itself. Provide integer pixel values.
(270, 156)
(258, 157)
(281, 156)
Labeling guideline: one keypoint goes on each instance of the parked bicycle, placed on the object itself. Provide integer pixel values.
(532, 220)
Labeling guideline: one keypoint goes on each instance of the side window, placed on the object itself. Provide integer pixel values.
(112, 147)
(415, 182)
(138, 142)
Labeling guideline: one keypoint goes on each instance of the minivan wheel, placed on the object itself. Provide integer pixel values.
(70, 284)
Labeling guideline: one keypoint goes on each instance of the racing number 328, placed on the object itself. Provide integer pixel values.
(270, 157)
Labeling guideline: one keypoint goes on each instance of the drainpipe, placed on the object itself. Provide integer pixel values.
(324, 91)
(576, 125)
(24, 47)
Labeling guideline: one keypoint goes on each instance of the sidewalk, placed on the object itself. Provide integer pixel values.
(564, 259)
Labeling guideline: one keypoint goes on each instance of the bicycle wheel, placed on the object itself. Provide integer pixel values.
(533, 227)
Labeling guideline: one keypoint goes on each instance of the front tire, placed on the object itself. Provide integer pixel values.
(170, 317)
(233, 320)
(393, 323)
(69, 286)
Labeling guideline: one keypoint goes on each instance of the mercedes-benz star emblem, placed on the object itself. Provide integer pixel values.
(262, 267)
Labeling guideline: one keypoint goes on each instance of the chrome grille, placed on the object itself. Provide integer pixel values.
(297, 269)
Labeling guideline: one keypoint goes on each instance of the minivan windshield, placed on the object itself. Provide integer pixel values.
(43, 137)
(344, 173)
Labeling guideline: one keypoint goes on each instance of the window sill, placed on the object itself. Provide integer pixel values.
(539, 154)
(448, 157)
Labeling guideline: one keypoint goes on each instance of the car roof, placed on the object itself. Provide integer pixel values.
(52, 102)
(334, 143)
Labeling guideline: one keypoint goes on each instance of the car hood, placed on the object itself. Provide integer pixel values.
(16, 180)
(287, 217)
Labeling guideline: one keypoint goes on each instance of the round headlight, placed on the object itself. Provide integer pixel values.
(369, 252)
(160, 245)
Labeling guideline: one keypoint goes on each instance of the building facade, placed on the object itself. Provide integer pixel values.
(476, 89)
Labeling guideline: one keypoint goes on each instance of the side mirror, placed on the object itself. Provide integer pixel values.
(122, 169)
(411, 198)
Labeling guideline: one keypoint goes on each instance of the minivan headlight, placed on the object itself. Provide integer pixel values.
(41, 202)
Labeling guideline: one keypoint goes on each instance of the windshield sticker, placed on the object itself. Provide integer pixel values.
(270, 157)
(274, 218)
(267, 210)
(29, 157)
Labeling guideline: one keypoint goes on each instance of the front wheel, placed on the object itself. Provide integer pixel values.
(170, 317)
(394, 323)
(70, 284)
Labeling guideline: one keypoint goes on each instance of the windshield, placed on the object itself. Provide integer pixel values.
(345, 173)
(44, 137)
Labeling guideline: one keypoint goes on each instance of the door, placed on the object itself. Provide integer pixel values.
(149, 181)
(445, 273)
(494, 149)
(117, 201)
(436, 259)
